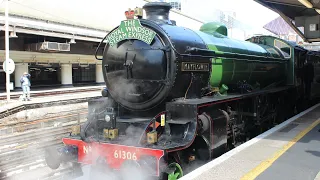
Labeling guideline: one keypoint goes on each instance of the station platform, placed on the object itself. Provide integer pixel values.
(289, 151)
(49, 98)
(35, 92)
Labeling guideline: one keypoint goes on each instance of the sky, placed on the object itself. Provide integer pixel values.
(106, 14)
(252, 15)
(247, 11)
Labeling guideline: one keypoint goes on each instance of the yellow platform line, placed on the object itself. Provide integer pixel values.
(268, 162)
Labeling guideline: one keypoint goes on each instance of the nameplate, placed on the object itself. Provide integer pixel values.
(191, 66)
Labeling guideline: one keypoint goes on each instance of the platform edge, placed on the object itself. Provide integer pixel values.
(197, 172)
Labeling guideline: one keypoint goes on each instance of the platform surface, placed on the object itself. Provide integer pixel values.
(4, 105)
(289, 151)
(39, 90)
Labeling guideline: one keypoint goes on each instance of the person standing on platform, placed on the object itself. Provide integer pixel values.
(25, 84)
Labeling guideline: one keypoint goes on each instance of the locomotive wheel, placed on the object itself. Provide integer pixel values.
(52, 158)
(176, 171)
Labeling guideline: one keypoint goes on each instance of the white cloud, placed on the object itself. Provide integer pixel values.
(247, 11)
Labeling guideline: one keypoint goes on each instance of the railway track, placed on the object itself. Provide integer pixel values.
(22, 154)
(22, 107)
(22, 126)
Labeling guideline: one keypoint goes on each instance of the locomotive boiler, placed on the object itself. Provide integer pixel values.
(177, 96)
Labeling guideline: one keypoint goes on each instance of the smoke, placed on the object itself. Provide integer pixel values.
(122, 87)
(130, 169)
(26, 159)
(193, 165)
(133, 135)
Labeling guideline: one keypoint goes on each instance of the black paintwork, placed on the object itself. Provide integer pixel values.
(158, 11)
(140, 76)
(181, 122)
(145, 80)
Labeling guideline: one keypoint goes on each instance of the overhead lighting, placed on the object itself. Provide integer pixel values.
(72, 41)
(13, 33)
(306, 3)
(318, 10)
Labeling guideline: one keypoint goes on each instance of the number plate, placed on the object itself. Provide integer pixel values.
(119, 154)
(190, 66)
(114, 154)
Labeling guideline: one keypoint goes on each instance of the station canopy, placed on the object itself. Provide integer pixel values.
(302, 15)
(95, 14)
(75, 19)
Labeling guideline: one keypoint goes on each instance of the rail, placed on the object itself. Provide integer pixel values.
(22, 107)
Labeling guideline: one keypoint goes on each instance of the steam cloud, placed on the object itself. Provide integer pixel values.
(120, 86)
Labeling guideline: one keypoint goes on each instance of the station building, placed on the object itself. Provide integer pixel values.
(50, 53)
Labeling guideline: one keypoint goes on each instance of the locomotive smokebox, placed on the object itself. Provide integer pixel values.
(158, 11)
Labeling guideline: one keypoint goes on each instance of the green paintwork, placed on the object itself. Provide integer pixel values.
(131, 29)
(242, 60)
(214, 27)
(217, 69)
(270, 41)
(216, 72)
(178, 173)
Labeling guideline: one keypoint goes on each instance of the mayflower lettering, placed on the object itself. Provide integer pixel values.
(131, 29)
(189, 66)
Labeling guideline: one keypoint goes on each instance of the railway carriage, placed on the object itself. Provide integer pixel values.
(177, 98)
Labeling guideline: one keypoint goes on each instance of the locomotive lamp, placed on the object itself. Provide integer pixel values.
(106, 133)
(110, 118)
(107, 118)
(152, 137)
(75, 130)
(113, 133)
(138, 12)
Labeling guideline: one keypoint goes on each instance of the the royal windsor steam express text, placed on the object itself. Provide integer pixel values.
(131, 29)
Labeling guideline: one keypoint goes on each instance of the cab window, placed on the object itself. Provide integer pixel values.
(283, 47)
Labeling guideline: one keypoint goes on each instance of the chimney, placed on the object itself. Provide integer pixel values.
(158, 11)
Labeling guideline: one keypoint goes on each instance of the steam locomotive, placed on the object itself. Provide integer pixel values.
(177, 97)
